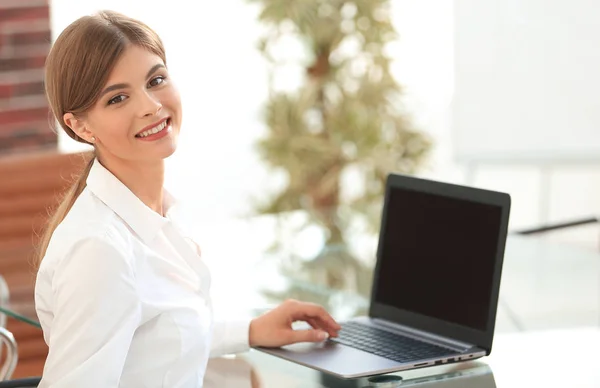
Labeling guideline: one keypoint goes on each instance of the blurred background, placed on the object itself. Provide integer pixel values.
(294, 111)
(520, 98)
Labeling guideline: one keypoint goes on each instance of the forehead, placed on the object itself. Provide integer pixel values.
(133, 65)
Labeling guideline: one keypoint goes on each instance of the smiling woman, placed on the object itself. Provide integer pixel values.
(121, 292)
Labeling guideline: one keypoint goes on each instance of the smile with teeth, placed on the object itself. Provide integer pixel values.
(154, 130)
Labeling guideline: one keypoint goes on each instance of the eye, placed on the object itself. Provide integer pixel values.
(117, 99)
(157, 81)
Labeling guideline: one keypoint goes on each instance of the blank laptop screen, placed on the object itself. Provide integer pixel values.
(437, 257)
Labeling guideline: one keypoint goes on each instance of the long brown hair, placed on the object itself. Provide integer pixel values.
(77, 68)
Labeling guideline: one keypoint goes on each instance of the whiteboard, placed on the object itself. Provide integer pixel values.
(526, 80)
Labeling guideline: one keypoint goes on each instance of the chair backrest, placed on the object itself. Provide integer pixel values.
(12, 354)
(29, 382)
(29, 185)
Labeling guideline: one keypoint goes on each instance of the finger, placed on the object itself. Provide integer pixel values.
(303, 311)
(308, 336)
(313, 323)
(323, 325)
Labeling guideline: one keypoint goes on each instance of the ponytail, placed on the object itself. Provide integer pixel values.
(65, 205)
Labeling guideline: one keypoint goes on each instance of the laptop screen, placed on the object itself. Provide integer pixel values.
(437, 257)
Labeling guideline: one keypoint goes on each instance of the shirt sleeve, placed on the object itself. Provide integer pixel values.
(96, 310)
(230, 337)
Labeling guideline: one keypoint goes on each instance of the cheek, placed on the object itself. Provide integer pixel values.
(172, 101)
(114, 126)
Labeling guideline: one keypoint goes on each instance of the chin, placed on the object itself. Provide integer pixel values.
(168, 151)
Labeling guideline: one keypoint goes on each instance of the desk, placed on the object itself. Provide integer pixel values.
(546, 328)
(259, 370)
(548, 358)
(557, 358)
(548, 285)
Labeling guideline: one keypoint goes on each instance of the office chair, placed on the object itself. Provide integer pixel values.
(7, 340)
(29, 382)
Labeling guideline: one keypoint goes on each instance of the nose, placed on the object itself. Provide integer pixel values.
(150, 105)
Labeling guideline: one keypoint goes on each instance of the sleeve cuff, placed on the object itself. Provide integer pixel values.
(235, 337)
(239, 332)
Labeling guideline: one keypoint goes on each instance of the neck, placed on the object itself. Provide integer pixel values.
(144, 179)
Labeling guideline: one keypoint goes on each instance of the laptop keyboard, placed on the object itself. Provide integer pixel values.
(389, 345)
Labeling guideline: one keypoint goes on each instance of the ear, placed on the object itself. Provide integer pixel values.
(78, 126)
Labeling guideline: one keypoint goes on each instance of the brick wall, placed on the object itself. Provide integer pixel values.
(24, 44)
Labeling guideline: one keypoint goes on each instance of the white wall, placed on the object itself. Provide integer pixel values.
(527, 79)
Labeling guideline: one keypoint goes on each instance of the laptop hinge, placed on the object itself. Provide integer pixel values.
(423, 335)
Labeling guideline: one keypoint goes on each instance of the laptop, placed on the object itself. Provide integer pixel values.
(435, 284)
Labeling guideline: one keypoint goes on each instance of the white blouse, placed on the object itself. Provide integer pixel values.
(123, 297)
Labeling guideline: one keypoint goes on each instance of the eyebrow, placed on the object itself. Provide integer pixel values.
(124, 86)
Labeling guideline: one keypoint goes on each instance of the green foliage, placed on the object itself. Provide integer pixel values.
(346, 115)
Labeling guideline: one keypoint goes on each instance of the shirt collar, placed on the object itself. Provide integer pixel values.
(144, 221)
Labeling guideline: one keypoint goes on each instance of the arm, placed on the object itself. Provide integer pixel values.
(274, 328)
(96, 311)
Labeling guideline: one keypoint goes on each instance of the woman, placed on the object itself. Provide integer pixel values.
(121, 293)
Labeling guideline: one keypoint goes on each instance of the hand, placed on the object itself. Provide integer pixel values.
(274, 328)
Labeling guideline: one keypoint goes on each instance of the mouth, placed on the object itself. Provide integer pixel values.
(154, 128)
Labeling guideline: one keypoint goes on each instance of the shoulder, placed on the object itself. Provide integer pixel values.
(90, 232)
